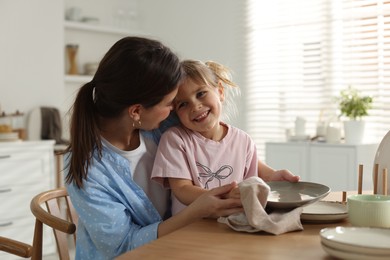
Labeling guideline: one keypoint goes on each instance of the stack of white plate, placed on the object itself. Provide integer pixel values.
(324, 212)
(356, 242)
(6, 137)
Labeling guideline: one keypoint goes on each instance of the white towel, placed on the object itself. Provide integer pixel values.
(254, 193)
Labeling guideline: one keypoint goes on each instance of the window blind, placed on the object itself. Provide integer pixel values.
(301, 53)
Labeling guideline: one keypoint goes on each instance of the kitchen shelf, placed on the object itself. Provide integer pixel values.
(94, 38)
(78, 79)
(96, 28)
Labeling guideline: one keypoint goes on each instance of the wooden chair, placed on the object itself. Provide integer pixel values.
(15, 247)
(60, 215)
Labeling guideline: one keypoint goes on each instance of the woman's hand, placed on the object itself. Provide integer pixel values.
(218, 202)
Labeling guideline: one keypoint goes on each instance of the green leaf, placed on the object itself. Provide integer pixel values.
(352, 104)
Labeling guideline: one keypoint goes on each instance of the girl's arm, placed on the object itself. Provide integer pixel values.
(268, 174)
(209, 204)
(184, 190)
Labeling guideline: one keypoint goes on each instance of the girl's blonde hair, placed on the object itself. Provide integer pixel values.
(212, 74)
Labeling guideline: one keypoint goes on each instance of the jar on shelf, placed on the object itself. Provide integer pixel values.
(300, 124)
(13, 123)
(71, 50)
(333, 132)
(18, 124)
(5, 123)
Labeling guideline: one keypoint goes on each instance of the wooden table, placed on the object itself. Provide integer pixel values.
(207, 239)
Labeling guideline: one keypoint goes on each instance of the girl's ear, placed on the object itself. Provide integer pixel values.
(221, 91)
(135, 112)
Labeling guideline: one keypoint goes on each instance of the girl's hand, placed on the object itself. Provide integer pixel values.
(268, 174)
(233, 194)
(283, 175)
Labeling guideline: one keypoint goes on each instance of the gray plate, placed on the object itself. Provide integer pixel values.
(295, 194)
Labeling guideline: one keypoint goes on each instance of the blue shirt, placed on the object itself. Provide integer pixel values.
(115, 214)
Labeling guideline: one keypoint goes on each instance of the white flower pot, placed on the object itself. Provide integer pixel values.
(354, 131)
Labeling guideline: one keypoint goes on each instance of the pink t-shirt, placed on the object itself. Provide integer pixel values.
(186, 154)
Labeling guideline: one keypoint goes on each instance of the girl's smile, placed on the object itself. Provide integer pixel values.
(198, 107)
(202, 116)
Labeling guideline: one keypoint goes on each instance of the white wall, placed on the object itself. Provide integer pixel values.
(32, 42)
(30, 62)
(202, 29)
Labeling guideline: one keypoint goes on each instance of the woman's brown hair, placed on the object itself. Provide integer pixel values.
(135, 70)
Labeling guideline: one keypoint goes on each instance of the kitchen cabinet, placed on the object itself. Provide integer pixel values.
(26, 169)
(335, 165)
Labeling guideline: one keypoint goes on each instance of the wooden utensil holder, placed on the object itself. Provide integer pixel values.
(71, 50)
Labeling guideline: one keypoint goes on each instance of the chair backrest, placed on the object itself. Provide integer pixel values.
(59, 214)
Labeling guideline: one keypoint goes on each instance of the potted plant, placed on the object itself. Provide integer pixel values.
(354, 107)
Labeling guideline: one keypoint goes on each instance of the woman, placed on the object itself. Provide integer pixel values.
(115, 127)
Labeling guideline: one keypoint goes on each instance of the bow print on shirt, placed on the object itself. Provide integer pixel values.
(227, 170)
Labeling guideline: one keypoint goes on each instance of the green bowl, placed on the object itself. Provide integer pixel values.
(369, 210)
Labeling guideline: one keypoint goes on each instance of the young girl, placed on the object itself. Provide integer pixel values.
(204, 152)
(116, 122)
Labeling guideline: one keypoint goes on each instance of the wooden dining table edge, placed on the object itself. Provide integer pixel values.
(191, 245)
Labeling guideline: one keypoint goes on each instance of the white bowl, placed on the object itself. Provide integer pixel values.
(369, 210)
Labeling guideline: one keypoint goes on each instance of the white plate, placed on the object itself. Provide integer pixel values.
(352, 255)
(324, 212)
(371, 241)
(382, 158)
(286, 194)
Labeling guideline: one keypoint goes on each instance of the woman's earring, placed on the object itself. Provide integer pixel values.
(139, 123)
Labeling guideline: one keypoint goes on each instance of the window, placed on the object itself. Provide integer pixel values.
(301, 53)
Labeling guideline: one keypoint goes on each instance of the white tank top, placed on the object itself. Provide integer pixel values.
(141, 164)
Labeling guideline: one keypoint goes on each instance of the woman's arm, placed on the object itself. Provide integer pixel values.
(268, 174)
(110, 222)
(209, 204)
